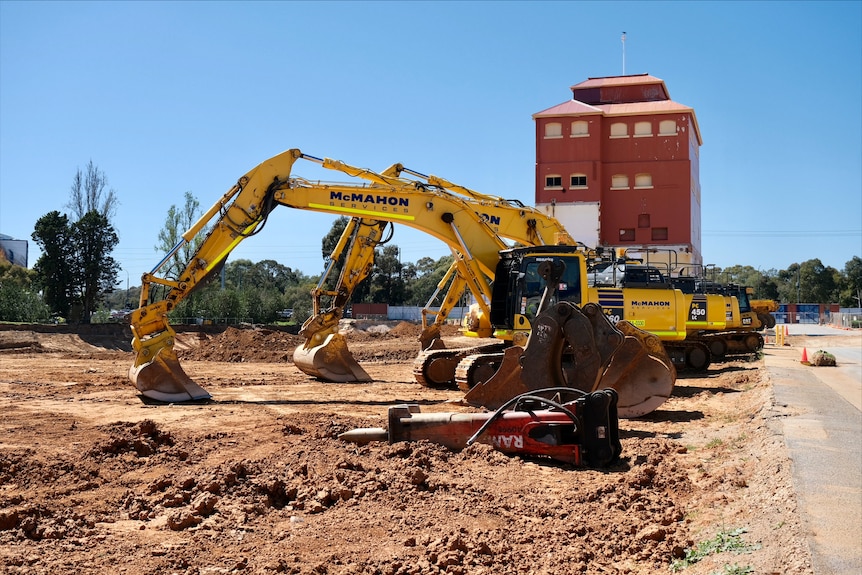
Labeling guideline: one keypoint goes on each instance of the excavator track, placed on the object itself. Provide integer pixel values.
(723, 346)
(689, 355)
(436, 368)
(477, 368)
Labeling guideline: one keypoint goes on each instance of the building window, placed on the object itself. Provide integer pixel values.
(627, 234)
(580, 129)
(620, 182)
(643, 220)
(643, 129)
(554, 182)
(659, 234)
(667, 128)
(619, 130)
(578, 181)
(553, 130)
(643, 181)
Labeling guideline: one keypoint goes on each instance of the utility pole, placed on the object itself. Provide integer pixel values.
(797, 284)
(624, 53)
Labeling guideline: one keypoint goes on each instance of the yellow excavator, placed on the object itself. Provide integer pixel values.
(764, 309)
(476, 227)
(719, 322)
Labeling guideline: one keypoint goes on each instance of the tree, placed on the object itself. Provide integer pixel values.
(808, 282)
(851, 289)
(266, 275)
(387, 284)
(428, 274)
(12, 275)
(18, 302)
(55, 267)
(234, 273)
(76, 267)
(767, 288)
(741, 275)
(818, 282)
(178, 221)
(94, 238)
(88, 194)
(276, 275)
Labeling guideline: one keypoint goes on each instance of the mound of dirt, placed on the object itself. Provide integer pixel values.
(368, 341)
(242, 345)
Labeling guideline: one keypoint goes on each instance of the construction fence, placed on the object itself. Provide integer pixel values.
(847, 318)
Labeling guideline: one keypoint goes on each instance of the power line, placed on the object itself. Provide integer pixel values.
(784, 233)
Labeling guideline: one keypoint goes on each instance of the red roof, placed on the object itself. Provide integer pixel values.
(576, 108)
(639, 108)
(569, 108)
(610, 81)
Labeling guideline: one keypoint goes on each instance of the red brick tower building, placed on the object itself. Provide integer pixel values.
(618, 166)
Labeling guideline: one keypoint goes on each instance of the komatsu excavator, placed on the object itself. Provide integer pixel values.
(764, 309)
(719, 322)
(476, 228)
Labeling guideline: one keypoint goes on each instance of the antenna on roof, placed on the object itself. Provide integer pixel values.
(624, 53)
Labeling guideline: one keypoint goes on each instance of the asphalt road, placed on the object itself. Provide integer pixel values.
(823, 432)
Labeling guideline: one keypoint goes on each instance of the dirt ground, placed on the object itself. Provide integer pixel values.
(95, 480)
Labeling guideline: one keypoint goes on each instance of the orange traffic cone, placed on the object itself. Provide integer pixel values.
(805, 356)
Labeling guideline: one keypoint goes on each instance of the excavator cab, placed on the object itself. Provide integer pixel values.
(519, 286)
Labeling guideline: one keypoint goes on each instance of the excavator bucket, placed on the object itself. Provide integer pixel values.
(430, 338)
(505, 384)
(579, 348)
(562, 352)
(163, 379)
(330, 361)
(640, 371)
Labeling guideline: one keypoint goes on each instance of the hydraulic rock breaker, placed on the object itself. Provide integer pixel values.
(583, 432)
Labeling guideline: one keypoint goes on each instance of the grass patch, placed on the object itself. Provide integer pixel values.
(714, 443)
(726, 540)
(735, 569)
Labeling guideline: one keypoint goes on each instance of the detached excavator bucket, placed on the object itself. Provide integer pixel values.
(563, 351)
(330, 361)
(505, 384)
(579, 348)
(640, 371)
(163, 379)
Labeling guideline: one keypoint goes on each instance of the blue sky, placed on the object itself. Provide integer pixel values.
(169, 97)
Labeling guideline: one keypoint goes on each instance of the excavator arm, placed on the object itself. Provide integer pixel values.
(324, 353)
(242, 211)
